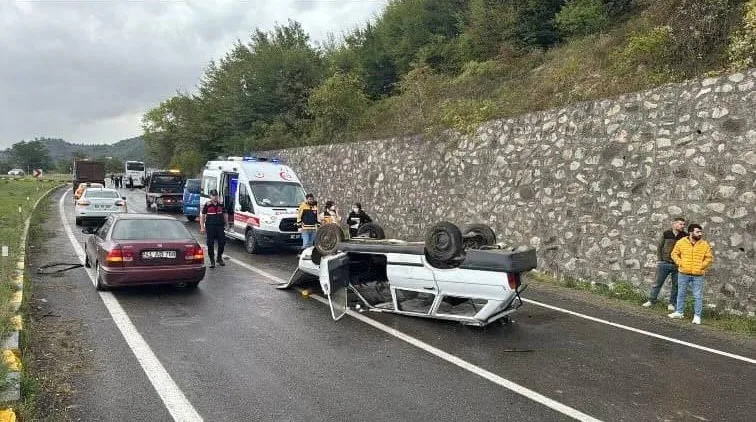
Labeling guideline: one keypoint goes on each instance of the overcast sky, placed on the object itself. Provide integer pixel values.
(86, 70)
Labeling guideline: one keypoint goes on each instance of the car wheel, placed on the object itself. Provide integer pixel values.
(87, 264)
(191, 217)
(443, 244)
(328, 237)
(372, 231)
(78, 221)
(250, 243)
(192, 286)
(478, 235)
(101, 286)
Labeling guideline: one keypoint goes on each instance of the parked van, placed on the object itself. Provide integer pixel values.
(262, 196)
(192, 199)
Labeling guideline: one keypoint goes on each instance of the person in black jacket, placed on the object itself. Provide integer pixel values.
(357, 218)
(213, 220)
(665, 265)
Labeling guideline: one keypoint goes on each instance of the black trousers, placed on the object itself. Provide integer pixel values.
(215, 233)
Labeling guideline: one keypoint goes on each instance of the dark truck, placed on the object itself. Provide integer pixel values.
(85, 171)
(165, 190)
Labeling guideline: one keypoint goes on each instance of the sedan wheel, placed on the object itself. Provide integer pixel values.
(98, 275)
(87, 264)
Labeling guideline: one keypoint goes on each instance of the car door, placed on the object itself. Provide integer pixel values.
(334, 279)
(413, 283)
(98, 239)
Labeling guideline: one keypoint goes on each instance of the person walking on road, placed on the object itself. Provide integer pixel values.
(357, 218)
(693, 257)
(213, 221)
(307, 220)
(665, 266)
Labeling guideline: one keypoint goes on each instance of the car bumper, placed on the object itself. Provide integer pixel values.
(266, 238)
(96, 214)
(170, 206)
(138, 276)
(191, 210)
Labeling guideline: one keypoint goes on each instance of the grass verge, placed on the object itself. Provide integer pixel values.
(29, 384)
(625, 292)
(19, 196)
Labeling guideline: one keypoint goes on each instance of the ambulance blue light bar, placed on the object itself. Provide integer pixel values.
(256, 158)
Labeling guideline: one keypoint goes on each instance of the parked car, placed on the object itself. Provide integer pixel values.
(83, 186)
(98, 203)
(16, 172)
(192, 199)
(141, 249)
(165, 190)
(459, 275)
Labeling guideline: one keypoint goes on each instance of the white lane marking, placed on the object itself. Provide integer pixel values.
(639, 331)
(503, 382)
(175, 401)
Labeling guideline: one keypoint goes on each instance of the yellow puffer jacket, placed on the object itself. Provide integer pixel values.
(692, 259)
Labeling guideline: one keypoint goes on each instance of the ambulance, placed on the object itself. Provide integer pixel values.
(262, 195)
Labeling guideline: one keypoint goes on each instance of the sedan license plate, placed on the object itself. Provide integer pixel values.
(159, 254)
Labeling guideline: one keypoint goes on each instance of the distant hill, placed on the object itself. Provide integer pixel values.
(126, 149)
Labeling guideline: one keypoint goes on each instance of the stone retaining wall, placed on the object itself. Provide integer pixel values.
(591, 185)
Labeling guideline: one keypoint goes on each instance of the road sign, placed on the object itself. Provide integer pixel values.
(37, 172)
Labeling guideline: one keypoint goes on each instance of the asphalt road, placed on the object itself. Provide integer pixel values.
(239, 349)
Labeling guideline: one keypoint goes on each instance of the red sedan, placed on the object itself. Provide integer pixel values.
(140, 249)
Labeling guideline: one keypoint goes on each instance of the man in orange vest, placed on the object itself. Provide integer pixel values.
(693, 257)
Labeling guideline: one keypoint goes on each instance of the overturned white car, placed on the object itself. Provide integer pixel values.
(461, 275)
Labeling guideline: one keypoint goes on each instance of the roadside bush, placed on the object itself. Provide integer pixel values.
(647, 53)
(581, 17)
(742, 49)
(466, 114)
(338, 105)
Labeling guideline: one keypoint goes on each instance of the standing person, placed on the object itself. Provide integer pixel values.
(665, 266)
(357, 218)
(330, 214)
(131, 182)
(693, 257)
(213, 220)
(307, 220)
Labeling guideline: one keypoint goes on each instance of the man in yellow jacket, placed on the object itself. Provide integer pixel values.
(693, 257)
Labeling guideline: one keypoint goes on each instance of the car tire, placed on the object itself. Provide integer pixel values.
(100, 286)
(328, 237)
(192, 286)
(87, 264)
(250, 242)
(476, 236)
(191, 218)
(443, 245)
(372, 230)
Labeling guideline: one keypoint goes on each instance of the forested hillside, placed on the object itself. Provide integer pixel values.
(430, 64)
(56, 155)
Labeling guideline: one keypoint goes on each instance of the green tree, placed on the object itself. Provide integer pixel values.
(582, 17)
(338, 106)
(30, 155)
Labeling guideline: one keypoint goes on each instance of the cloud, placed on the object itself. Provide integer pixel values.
(86, 71)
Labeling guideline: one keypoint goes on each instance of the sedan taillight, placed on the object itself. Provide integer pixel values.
(83, 202)
(194, 253)
(118, 255)
(120, 203)
(514, 280)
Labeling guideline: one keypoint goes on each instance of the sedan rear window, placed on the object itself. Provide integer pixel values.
(89, 193)
(149, 230)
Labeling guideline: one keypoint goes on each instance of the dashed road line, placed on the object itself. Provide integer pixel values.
(643, 332)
